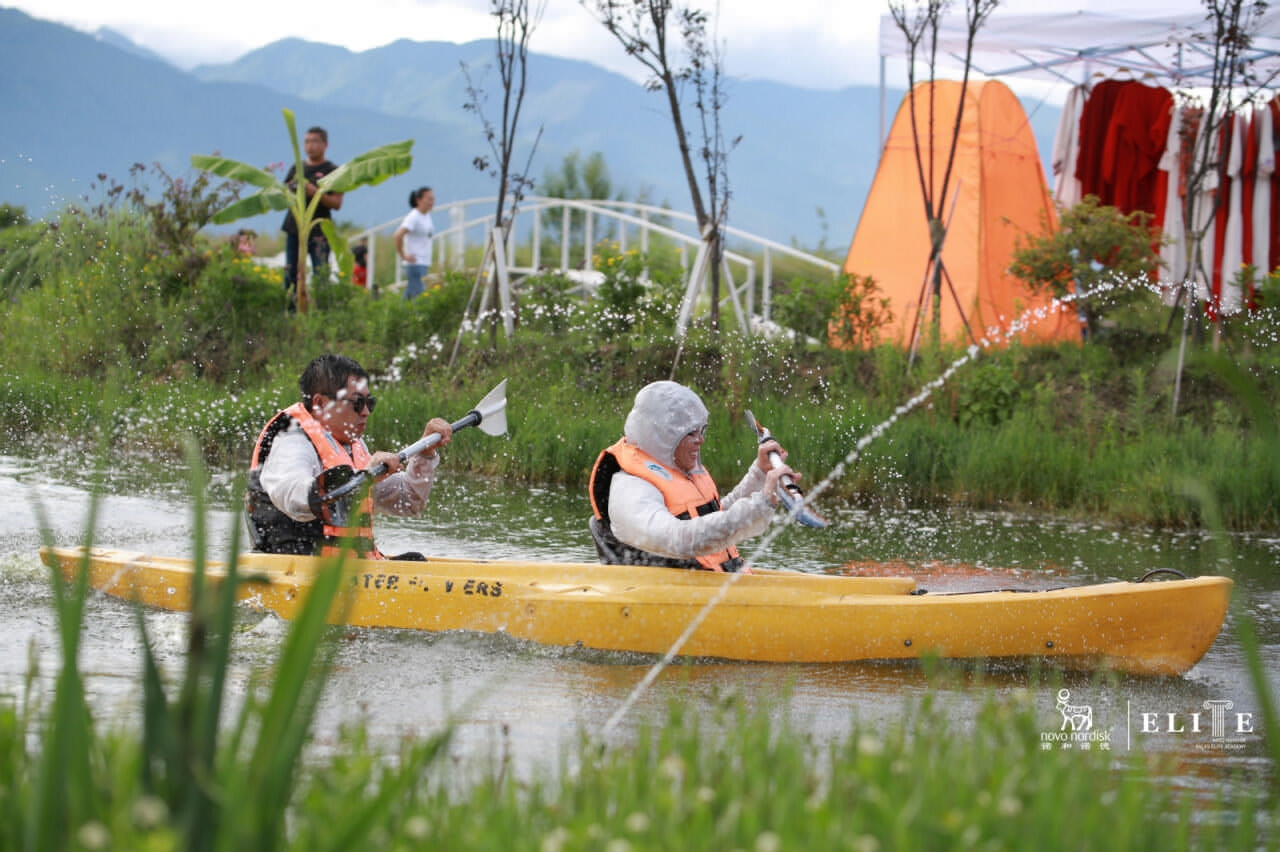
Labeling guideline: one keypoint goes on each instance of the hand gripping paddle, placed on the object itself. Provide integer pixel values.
(490, 414)
(788, 492)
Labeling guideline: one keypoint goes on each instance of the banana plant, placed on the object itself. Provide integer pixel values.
(367, 169)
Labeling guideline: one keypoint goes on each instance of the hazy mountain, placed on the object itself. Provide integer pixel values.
(78, 105)
(106, 35)
(800, 150)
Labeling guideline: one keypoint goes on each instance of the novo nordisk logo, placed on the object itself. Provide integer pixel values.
(1076, 731)
(1077, 718)
(1225, 730)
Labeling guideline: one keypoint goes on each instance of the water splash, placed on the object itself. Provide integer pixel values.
(782, 521)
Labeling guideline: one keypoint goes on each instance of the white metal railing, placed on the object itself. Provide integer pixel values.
(468, 227)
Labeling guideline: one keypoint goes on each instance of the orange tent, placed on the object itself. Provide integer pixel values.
(998, 188)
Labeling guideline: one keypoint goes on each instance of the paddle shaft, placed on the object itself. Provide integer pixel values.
(490, 415)
(427, 442)
(775, 458)
(790, 494)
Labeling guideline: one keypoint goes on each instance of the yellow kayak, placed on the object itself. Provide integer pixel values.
(1154, 628)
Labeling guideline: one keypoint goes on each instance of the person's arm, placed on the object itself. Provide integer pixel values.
(640, 517)
(289, 472)
(332, 200)
(399, 241)
(405, 492)
(752, 483)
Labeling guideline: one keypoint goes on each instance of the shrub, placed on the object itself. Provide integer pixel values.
(1102, 254)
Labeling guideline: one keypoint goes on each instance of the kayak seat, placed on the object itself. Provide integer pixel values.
(614, 552)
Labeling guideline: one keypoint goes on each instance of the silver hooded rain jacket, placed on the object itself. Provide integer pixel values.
(664, 412)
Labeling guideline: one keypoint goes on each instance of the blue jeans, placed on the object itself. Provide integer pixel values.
(414, 273)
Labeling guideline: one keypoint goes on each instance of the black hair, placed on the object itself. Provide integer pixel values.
(416, 194)
(319, 131)
(328, 374)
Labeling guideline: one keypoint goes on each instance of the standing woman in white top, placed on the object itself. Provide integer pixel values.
(413, 240)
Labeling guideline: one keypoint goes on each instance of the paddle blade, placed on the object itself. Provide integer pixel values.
(493, 411)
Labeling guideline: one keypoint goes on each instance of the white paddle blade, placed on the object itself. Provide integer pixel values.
(493, 411)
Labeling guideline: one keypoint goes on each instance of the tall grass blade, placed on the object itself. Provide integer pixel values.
(63, 789)
(283, 724)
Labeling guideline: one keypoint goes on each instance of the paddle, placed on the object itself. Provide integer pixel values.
(788, 492)
(490, 414)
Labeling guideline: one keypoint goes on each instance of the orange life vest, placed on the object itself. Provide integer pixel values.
(325, 534)
(686, 495)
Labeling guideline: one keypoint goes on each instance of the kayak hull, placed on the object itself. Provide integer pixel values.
(1152, 628)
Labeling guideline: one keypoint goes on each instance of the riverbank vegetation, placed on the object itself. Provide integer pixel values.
(146, 335)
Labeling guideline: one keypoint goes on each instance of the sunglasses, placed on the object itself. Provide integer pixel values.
(700, 432)
(359, 403)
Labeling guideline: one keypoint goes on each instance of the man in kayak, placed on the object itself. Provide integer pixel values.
(654, 504)
(316, 445)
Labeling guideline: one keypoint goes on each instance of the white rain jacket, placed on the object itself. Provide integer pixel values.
(664, 412)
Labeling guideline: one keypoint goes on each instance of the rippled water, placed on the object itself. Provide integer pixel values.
(528, 701)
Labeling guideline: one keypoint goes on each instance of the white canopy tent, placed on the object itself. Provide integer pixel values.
(1071, 46)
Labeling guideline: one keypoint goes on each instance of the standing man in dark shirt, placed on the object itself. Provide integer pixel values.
(314, 144)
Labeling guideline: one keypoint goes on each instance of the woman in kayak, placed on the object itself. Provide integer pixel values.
(316, 445)
(654, 504)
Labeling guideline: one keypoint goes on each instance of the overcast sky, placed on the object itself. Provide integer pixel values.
(814, 43)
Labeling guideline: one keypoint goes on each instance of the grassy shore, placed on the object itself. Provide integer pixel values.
(1086, 431)
(113, 332)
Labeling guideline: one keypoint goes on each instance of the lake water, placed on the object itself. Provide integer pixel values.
(529, 702)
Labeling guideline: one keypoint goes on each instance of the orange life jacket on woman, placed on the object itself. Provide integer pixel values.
(275, 532)
(686, 496)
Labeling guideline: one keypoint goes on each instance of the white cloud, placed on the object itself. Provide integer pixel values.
(811, 44)
(816, 43)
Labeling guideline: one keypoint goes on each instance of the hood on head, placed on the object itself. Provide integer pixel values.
(664, 412)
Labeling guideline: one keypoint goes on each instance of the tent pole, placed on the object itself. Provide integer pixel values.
(956, 298)
(935, 257)
(922, 305)
(882, 96)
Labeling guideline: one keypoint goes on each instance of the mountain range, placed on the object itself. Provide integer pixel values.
(78, 106)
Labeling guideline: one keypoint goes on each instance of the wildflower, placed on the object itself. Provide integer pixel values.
(865, 843)
(93, 835)
(150, 812)
(417, 828)
(870, 745)
(637, 823)
(768, 841)
(672, 766)
(556, 840)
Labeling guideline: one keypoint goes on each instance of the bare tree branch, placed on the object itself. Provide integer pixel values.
(642, 28)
